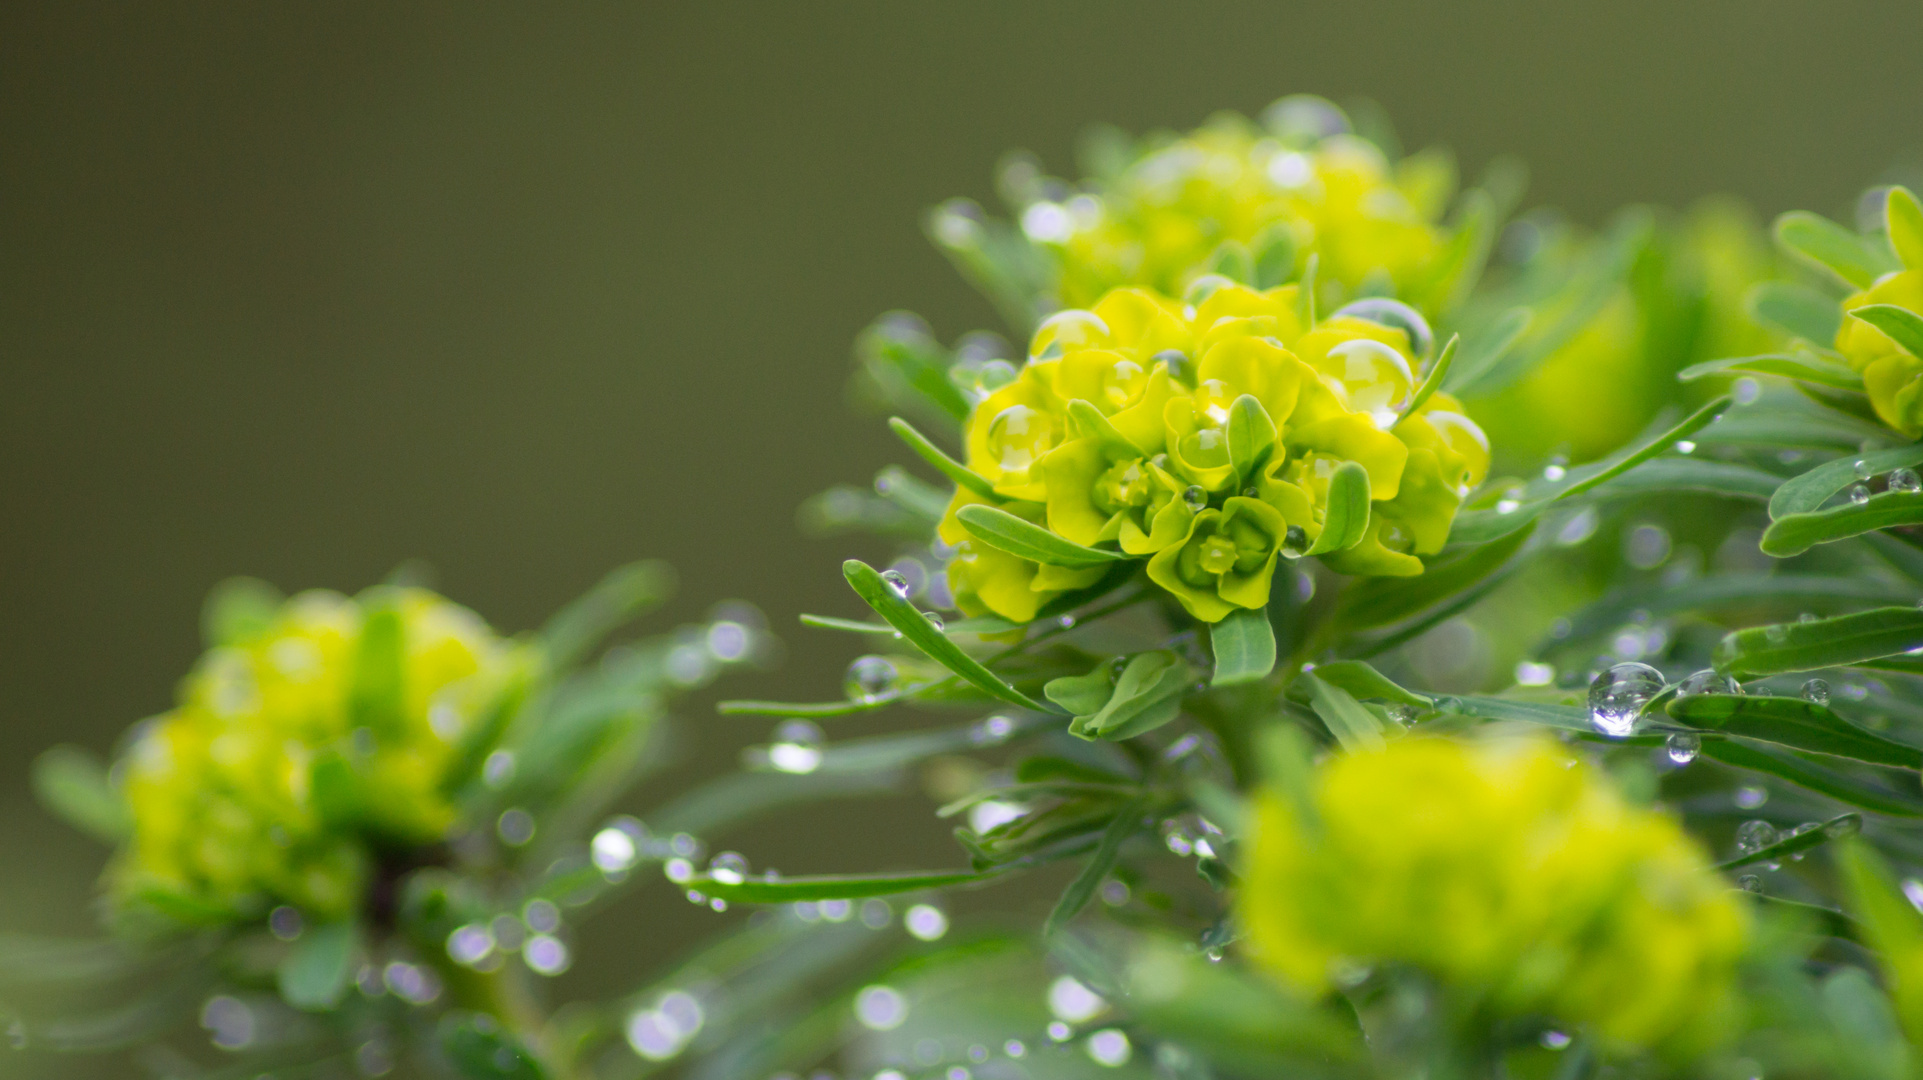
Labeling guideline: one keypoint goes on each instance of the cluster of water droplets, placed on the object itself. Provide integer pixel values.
(535, 933)
(1901, 481)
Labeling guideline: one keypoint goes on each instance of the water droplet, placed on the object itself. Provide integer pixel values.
(1554, 1040)
(614, 850)
(1816, 692)
(1906, 481)
(1069, 1000)
(797, 746)
(881, 1008)
(284, 922)
(993, 730)
(1863, 470)
(470, 945)
(1534, 673)
(1195, 497)
(1060, 1032)
(1295, 542)
(516, 827)
(1750, 883)
(1403, 713)
(897, 583)
(1617, 697)
(1683, 746)
(1018, 437)
(1397, 315)
(1684, 446)
(229, 1022)
(1066, 622)
(1109, 1047)
(1508, 506)
(1557, 468)
(1859, 494)
(729, 868)
(1251, 492)
(934, 620)
(498, 769)
(1708, 682)
(925, 922)
(546, 955)
(1754, 835)
(1749, 797)
(1747, 390)
(869, 677)
(1177, 363)
(541, 916)
(697, 897)
(1848, 825)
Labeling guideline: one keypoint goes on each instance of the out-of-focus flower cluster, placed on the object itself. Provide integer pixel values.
(1116, 434)
(1506, 870)
(1303, 186)
(302, 752)
(1892, 373)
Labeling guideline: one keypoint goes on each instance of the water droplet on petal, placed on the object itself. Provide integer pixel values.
(1683, 747)
(869, 677)
(1617, 697)
(1195, 497)
(1816, 692)
(1859, 494)
(1708, 682)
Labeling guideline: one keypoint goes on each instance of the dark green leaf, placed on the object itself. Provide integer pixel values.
(1795, 309)
(624, 594)
(1244, 646)
(1855, 260)
(1805, 773)
(1004, 531)
(1438, 374)
(915, 627)
(1820, 643)
(1807, 492)
(1251, 435)
(479, 1049)
(314, 973)
(1903, 326)
(1128, 821)
(238, 610)
(1834, 829)
(1364, 682)
(1720, 594)
(830, 887)
(1792, 722)
(1789, 366)
(1148, 694)
(73, 784)
(947, 466)
(1347, 516)
(1355, 727)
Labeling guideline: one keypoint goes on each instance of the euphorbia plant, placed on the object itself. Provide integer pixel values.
(1375, 747)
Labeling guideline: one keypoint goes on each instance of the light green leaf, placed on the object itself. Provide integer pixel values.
(1667, 475)
(1128, 822)
(1375, 602)
(915, 627)
(1567, 717)
(1274, 257)
(1347, 515)
(1355, 727)
(1006, 532)
(315, 971)
(1148, 694)
(237, 610)
(788, 890)
(1809, 491)
(1811, 369)
(1834, 829)
(623, 595)
(1804, 312)
(1082, 695)
(1087, 422)
(1720, 594)
(479, 1049)
(1904, 218)
(1364, 682)
(1903, 326)
(1232, 261)
(1856, 261)
(73, 784)
(1805, 773)
(947, 466)
(1793, 534)
(1820, 643)
(1894, 928)
(852, 626)
(1488, 349)
(1251, 435)
(1792, 722)
(817, 710)
(1438, 374)
(1244, 646)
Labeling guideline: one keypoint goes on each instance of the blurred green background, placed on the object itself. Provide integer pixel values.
(305, 291)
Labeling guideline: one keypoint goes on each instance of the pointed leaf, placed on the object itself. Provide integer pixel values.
(1082, 695)
(1855, 260)
(1244, 645)
(1567, 717)
(1127, 822)
(1438, 374)
(314, 974)
(1820, 643)
(1792, 722)
(1488, 349)
(73, 784)
(1251, 435)
(1810, 369)
(1690, 474)
(1347, 516)
(947, 466)
(915, 627)
(1793, 534)
(1355, 727)
(623, 595)
(1804, 312)
(1364, 682)
(1006, 532)
(1891, 924)
(1809, 491)
(1800, 770)
(1374, 602)
(1090, 423)
(1148, 694)
(788, 890)
(1834, 829)
(1903, 326)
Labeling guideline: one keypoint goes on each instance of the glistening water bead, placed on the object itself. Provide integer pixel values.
(1859, 494)
(1816, 692)
(869, 677)
(1617, 697)
(1683, 747)
(1708, 682)
(1906, 481)
(1753, 836)
(897, 583)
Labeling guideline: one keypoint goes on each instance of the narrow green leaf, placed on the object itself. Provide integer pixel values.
(1244, 646)
(1792, 422)
(1355, 727)
(1904, 219)
(1251, 435)
(947, 466)
(1127, 823)
(1364, 682)
(1088, 422)
(1488, 349)
(1796, 309)
(1903, 326)
(788, 890)
(1820, 643)
(1720, 595)
(1855, 260)
(1148, 694)
(914, 626)
(73, 784)
(623, 595)
(1893, 927)
(1810, 369)
(1347, 515)
(1666, 475)
(1805, 773)
(852, 626)
(730, 800)
(1829, 920)
(1438, 374)
(818, 709)
(30, 959)
(375, 698)
(479, 1049)
(1792, 722)
(1793, 534)
(237, 610)
(1006, 532)
(1567, 717)
(1807, 492)
(315, 971)
(1374, 602)
(1834, 829)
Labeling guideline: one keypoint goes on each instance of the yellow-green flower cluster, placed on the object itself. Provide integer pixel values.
(1514, 875)
(1115, 435)
(1160, 222)
(1892, 374)
(298, 755)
